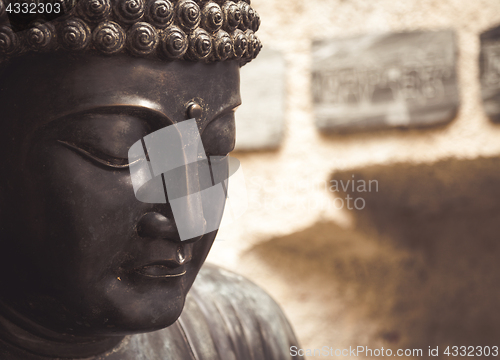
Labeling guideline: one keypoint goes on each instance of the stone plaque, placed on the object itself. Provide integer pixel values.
(387, 80)
(489, 61)
(260, 119)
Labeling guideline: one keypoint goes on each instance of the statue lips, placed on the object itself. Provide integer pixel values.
(162, 269)
(161, 258)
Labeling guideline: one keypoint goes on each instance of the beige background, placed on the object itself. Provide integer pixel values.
(418, 266)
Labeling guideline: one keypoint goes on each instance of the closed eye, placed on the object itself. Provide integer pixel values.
(111, 161)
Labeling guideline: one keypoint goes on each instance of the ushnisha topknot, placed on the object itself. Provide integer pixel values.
(192, 30)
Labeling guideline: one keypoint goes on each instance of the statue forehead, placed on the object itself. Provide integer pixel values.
(58, 86)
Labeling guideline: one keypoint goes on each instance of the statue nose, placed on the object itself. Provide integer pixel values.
(154, 225)
(175, 171)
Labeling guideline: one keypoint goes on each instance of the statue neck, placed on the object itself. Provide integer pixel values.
(25, 335)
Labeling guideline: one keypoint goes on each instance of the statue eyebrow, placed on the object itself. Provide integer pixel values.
(152, 117)
(226, 110)
(231, 106)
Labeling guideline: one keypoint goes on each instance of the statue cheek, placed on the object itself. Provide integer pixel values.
(77, 199)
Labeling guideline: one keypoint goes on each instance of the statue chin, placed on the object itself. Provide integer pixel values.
(147, 316)
(118, 315)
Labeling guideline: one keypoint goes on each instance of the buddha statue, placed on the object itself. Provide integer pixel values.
(89, 270)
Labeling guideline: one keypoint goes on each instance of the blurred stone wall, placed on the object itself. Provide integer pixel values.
(418, 265)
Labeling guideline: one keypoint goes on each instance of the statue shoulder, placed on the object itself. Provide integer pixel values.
(225, 286)
(242, 321)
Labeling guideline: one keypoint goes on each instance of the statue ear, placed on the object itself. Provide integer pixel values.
(4, 212)
(4, 206)
(2, 201)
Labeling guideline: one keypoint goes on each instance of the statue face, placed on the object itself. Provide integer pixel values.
(80, 254)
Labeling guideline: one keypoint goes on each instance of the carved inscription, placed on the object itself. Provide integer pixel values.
(423, 84)
(490, 72)
(405, 79)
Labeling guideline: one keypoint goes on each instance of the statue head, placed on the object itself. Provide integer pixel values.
(81, 256)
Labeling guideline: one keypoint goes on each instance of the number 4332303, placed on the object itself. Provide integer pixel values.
(471, 351)
(33, 8)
